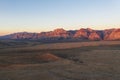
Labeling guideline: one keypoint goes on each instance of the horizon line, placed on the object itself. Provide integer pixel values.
(53, 30)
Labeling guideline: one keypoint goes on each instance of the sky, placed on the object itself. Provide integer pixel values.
(47, 15)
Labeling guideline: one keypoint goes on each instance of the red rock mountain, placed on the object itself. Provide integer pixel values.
(56, 33)
(61, 34)
(112, 34)
(87, 34)
(82, 33)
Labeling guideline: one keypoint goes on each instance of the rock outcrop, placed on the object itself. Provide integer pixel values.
(112, 34)
(94, 36)
(82, 33)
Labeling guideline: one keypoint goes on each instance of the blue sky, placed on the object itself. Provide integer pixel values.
(45, 15)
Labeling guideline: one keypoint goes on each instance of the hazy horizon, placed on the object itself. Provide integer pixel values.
(47, 15)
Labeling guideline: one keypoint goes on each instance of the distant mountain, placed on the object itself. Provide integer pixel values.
(112, 34)
(61, 34)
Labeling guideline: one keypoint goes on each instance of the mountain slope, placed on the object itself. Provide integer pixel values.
(61, 34)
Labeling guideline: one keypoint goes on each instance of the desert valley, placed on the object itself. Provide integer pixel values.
(59, 39)
(83, 54)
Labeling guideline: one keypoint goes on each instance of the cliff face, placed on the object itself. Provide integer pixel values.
(112, 34)
(22, 35)
(94, 36)
(88, 34)
(57, 34)
(82, 33)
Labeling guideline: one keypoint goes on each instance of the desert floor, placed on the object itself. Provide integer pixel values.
(99, 60)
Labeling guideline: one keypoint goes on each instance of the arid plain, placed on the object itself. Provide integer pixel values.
(93, 60)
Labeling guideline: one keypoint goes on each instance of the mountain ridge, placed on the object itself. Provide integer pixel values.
(62, 34)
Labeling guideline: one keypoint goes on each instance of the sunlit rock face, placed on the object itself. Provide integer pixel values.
(54, 34)
(60, 33)
(82, 33)
(87, 34)
(94, 36)
(107, 32)
(112, 34)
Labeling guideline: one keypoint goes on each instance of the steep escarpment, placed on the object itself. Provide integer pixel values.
(61, 34)
(112, 34)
